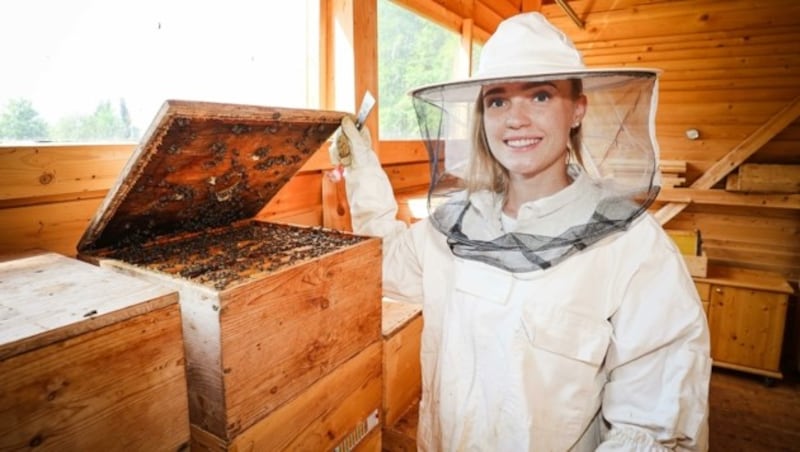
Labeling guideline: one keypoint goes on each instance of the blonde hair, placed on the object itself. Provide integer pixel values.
(484, 172)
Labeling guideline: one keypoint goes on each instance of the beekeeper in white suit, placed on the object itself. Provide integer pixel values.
(558, 314)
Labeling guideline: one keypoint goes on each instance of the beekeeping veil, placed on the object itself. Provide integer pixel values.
(618, 154)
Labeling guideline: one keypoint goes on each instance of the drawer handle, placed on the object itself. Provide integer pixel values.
(718, 290)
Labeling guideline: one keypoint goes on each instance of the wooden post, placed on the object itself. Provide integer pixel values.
(464, 68)
(353, 32)
(335, 209)
(350, 40)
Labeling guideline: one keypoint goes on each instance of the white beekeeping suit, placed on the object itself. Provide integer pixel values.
(575, 325)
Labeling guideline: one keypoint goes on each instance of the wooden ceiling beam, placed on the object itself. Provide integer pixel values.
(452, 20)
(531, 5)
(726, 198)
(503, 8)
(486, 18)
(571, 13)
(486, 15)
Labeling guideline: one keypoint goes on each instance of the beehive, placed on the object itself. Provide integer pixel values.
(89, 359)
(271, 313)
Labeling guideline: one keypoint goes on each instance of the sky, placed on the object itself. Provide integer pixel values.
(66, 56)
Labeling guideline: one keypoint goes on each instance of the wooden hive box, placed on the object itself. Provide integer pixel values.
(402, 384)
(689, 243)
(282, 324)
(89, 359)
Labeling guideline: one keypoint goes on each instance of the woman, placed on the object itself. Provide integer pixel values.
(558, 314)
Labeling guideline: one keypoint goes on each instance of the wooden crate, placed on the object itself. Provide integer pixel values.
(687, 241)
(271, 312)
(90, 359)
(697, 265)
(402, 331)
(338, 409)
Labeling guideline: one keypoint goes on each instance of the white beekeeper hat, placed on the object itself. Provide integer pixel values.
(527, 46)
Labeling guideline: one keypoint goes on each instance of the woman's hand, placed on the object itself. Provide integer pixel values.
(352, 148)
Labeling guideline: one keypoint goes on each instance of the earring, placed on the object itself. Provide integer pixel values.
(576, 124)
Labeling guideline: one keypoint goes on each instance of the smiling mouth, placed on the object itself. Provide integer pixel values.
(522, 142)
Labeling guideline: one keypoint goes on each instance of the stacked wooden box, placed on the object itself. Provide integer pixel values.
(689, 243)
(89, 359)
(282, 324)
(402, 389)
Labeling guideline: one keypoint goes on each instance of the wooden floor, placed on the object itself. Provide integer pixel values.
(747, 415)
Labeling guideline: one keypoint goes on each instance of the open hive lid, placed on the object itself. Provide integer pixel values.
(204, 165)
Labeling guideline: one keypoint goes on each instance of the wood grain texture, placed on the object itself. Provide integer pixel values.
(102, 367)
(736, 156)
(402, 331)
(747, 316)
(761, 178)
(53, 226)
(47, 170)
(402, 435)
(335, 208)
(747, 415)
(748, 328)
(47, 298)
(319, 418)
(286, 331)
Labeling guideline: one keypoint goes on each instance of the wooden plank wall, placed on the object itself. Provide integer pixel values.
(728, 67)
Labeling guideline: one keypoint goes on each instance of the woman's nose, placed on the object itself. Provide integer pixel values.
(517, 115)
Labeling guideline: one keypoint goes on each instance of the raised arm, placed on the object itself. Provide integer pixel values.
(373, 210)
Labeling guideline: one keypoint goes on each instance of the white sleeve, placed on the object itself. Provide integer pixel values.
(373, 210)
(656, 397)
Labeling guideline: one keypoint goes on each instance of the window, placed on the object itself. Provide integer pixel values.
(412, 52)
(98, 70)
(476, 56)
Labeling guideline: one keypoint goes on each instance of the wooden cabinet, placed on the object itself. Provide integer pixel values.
(746, 313)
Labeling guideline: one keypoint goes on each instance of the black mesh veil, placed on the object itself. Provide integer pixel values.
(615, 171)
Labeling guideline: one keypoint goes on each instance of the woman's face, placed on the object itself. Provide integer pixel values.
(527, 125)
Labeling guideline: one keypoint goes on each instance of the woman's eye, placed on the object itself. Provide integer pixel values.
(541, 96)
(494, 103)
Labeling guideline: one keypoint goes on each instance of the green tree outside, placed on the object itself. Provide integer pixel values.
(20, 121)
(412, 51)
(105, 124)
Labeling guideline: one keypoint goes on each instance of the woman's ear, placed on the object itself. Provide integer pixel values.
(580, 109)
